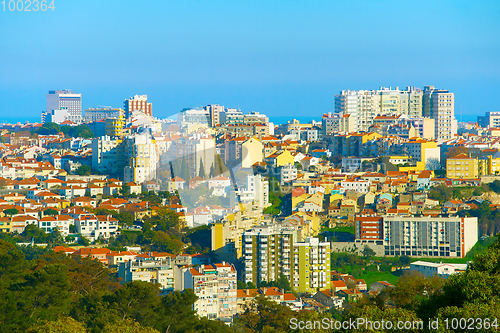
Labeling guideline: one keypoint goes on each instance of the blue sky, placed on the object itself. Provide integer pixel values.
(277, 57)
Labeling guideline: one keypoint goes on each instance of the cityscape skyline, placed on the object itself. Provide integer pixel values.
(233, 60)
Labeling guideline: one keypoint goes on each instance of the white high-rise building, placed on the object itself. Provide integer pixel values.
(439, 105)
(365, 105)
(215, 286)
(140, 151)
(65, 100)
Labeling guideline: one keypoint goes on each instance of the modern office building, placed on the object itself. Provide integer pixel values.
(429, 236)
(65, 100)
(439, 105)
(193, 116)
(137, 103)
(96, 114)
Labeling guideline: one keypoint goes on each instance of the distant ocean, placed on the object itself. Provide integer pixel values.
(22, 120)
(285, 119)
(274, 119)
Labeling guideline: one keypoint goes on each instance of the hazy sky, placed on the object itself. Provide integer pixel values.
(283, 58)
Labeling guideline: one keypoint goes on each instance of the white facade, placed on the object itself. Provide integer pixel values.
(215, 286)
(432, 269)
(149, 270)
(439, 105)
(55, 116)
(93, 227)
(429, 236)
(364, 105)
(66, 100)
(140, 151)
(287, 173)
(361, 186)
(257, 189)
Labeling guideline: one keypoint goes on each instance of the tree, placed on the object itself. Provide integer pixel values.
(368, 252)
(47, 129)
(83, 170)
(212, 171)
(202, 170)
(457, 150)
(184, 169)
(11, 211)
(83, 240)
(433, 163)
(128, 326)
(125, 190)
(50, 212)
(404, 260)
(413, 289)
(61, 325)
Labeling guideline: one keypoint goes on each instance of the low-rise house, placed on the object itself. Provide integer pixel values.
(152, 186)
(93, 253)
(380, 285)
(176, 183)
(349, 295)
(328, 299)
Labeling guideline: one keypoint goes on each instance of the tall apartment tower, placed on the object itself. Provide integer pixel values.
(65, 100)
(137, 103)
(365, 105)
(439, 105)
(215, 111)
(271, 251)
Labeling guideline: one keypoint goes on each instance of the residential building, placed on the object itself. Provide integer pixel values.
(267, 253)
(311, 266)
(108, 155)
(439, 105)
(364, 105)
(337, 122)
(462, 166)
(140, 151)
(215, 286)
(272, 251)
(137, 103)
(145, 268)
(288, 173)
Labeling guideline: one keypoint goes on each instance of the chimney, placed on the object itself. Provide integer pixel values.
(247, 292)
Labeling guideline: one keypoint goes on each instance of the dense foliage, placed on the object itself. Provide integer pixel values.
(80, 131)
(56, 293)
